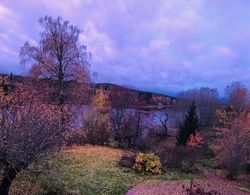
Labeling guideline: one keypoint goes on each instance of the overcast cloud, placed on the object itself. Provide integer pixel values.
(157, 45)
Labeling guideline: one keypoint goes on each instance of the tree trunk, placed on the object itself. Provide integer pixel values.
(9, 176)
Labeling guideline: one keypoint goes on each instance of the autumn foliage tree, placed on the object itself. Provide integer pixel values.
(34, 114)
(29, 129)
(98, 123)
(60, 59)
(233, 143)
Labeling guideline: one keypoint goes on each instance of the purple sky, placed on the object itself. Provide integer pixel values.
(157, 45)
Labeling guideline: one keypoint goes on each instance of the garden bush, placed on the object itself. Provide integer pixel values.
(127, 160)
(148, 162)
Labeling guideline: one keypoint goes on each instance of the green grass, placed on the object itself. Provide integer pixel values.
(94, 170)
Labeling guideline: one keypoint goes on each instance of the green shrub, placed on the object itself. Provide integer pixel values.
(113, 144)
(148, 162)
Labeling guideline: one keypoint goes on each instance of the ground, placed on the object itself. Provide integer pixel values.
(178, 187)
(93, 170)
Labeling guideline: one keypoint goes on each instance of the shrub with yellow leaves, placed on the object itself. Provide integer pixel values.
(148, 162)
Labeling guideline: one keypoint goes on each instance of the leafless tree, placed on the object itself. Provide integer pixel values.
(237, 95)
(59, 57)
(207, 101)
(60, 64)
(121, 101)
(163, 118)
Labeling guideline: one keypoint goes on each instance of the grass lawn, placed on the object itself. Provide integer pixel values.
(88, 170)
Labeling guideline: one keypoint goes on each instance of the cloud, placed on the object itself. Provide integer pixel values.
(160, 45)
(225, 52)
(99, 43)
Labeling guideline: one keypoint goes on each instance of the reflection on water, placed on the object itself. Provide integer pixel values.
(151, 117)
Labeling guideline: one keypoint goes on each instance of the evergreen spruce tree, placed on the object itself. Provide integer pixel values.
(189, 126)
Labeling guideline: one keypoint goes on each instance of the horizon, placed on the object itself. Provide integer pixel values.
(160, 46)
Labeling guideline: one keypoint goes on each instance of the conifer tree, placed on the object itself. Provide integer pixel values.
(189, 126)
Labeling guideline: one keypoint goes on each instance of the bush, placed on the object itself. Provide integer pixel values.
(77, 137)
(148, 162)
(127, 160)
(180, 157)
(153, 136)
(113, 144)
(195, 141)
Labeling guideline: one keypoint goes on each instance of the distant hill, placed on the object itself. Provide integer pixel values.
(111, 85)
(125, 95)
(143, 99)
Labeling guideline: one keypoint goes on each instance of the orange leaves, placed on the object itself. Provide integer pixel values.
(232, 146)
(97, 123)
(26, 120)
(195, 141)
(101, 102)
(59, 55)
